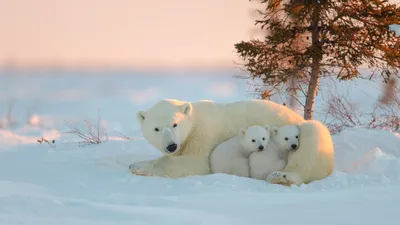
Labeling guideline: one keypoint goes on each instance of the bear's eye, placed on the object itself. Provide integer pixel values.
(156, 129)
(297, 137)
(175, 125)
(263, 138)
(253, 140)
(286, 138)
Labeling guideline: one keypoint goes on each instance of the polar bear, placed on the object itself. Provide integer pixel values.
(282, 140)
(232, 155)
(305, 165)
(198, 127)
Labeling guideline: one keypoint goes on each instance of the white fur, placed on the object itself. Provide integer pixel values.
(205, 124)
(286, 138)
(276, 153)
(232, 155)
(313, 160)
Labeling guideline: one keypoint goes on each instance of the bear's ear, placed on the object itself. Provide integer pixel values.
(140, 116)
(268, 128)
(242, 132)
(186, 108)
(275, 130)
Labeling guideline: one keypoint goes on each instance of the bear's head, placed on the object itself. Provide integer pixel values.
(255, 138)
(167, 124)
(286, 137)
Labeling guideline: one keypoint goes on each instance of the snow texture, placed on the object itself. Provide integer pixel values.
(91, 185)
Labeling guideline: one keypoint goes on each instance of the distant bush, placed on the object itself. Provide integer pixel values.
(95, 133)
(384, 115)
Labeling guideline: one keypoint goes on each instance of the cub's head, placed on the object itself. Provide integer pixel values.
(286, 137)
(167, 124)
(255, 138)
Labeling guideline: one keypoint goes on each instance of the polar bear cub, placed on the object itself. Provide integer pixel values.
(232, 155)
(282, 140)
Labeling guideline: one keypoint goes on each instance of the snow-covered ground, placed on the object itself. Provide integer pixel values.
(89, 185)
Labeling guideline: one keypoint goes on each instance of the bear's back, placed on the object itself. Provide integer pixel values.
(221, 121)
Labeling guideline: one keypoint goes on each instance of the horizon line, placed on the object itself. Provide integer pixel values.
(197, 65)
(130, 70)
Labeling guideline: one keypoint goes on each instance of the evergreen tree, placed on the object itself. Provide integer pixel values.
(336, 37)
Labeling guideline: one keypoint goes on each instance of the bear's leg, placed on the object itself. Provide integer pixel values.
(146, 168)
(172, 166)
(284, 178)
(297, 171)
(241, 168)
(312, 161)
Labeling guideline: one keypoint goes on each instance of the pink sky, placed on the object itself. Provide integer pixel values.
(157, 33)
(171, 33)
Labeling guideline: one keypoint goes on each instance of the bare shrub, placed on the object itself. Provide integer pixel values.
(50, 143)
(95, 133)
(8, 121)
(31, 117)
(343, 113)
(390, 92)
(123, 136)
(388, 118)
(10, 118)
(384, 115)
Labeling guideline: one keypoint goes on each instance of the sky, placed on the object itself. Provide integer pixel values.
(162, 33)
(127, 33)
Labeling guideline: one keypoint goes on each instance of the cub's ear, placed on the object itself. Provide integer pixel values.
(140, 115)
(186, 108)
(268, 128)
(242, 132)
(275, 130)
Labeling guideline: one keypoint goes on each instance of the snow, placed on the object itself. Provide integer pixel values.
(395, 28)
(71, 184)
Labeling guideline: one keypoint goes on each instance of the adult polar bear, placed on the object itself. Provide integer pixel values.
(187, 132)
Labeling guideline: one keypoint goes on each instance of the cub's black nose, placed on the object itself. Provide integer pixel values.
(172, 147)
(294, 146)
(260, 147)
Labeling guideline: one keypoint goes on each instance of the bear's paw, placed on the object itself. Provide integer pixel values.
(145, 168)
(283, 178)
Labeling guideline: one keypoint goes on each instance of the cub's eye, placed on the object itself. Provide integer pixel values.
(253, 140)
(263, 138)
(156, 129)
(175, 125)
(286, 138)
(297, 137)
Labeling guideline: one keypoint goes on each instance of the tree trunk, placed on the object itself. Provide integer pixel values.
(315, 67)
(292, 84)
(312, 90)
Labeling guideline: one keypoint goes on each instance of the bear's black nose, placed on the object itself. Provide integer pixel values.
(260, 147)
(294, 146)
(172, 147)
